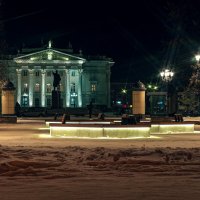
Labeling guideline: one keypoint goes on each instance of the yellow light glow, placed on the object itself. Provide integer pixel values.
(74, 128)
(124, 91)
(155, 137)
(48, 123)
(128, 128)
(122, 132)
(161, 74)
(44, 136)
(43, 128)
(95, 128)
(172, 128)
(76, 132)
(168, 125)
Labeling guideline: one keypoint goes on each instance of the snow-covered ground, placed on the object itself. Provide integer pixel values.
(35, 166)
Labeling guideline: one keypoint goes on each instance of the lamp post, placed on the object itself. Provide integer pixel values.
(151, 89)
(167, 76)
(197, 57)
(124, 92)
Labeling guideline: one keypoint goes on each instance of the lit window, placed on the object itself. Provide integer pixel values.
(73, 73)
(24, 101)
(37, 73)
(37, 87)
(49, 55)
(93, 87)
(48, 88)
(24, 73)
(73, 87)
(25, 88)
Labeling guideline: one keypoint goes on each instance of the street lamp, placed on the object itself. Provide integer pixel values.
(198, 76)
(124, 91)
(167, 76)
(151, 87)
(197, 58)
(198, 64)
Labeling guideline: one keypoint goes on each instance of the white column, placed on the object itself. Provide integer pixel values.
(67, 88)
(80, 88)
(30, 87)
(19, 85)
(43, 85)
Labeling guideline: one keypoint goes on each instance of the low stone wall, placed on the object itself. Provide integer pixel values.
(99, 131)
(95, 129)
(172, 127)
(8, 119)
(48, 123)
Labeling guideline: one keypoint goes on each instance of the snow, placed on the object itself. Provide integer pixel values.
(35, 166)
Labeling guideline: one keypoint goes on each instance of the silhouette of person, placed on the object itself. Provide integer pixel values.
(17, 109)
(90, 107)
(56, 80)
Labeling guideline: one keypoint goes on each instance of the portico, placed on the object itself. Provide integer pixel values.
(82, 80)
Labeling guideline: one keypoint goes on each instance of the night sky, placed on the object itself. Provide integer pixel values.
(141, 37)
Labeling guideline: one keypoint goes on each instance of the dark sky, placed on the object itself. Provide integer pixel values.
(135, 34)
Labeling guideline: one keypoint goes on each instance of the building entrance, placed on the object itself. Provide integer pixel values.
(25, 101)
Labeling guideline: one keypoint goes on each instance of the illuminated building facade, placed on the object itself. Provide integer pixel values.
(83, 79)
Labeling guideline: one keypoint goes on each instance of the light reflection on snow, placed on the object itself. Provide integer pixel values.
(46, 128)
(45, 136)
(98, 138)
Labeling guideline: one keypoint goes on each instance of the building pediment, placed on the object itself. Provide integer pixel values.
(49, 56)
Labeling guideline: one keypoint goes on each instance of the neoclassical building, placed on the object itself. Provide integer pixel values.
(83, 78)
